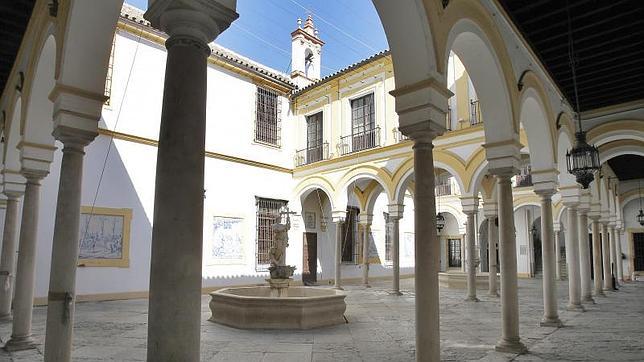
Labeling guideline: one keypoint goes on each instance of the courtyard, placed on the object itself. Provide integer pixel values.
(380, 328)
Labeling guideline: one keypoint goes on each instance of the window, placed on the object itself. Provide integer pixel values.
(268, 210)
(350, 235)
(268, 109)
(308, 63)
(454, 253)
(363, 123)
(638, 249)
(314, 137)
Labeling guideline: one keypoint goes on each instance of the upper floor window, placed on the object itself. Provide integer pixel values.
(268, 210)
(268, 107)
(363, 118)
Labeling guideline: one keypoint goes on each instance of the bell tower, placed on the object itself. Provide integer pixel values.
(306, 49)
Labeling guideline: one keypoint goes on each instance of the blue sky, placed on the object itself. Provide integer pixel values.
(351, 30)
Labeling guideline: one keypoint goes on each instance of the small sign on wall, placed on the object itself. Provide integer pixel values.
(309, 219)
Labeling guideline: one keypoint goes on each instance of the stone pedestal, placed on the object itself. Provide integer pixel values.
(279, 287)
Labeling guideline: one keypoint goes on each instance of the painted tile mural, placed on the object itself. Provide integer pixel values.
(104, 237)
(227, 238)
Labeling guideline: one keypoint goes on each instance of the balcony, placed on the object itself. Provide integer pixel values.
(312, 154)
(398, 136)
(524, 178)
(359, 141)
(443, 189)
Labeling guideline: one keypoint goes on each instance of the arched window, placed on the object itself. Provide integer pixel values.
(308, 62)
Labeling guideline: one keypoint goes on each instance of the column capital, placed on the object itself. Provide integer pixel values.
(13, 182)
(338, 216)
(365, 219)
(544, 181)
(556, 227)
(396, 211)
(199, 20)
(545, 192)
(503, 157)
(76, 115)
(421, 108)
(490, 208)
(470, 204)
(34, 176)
(35, 158)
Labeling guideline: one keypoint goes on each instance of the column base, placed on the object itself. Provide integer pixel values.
(551, 322)
(515, 347)
(20, 344)
(338, 288)
(395, 292)
(588, 299)
(575, 308)
(600, 294)
(6, 317)
(366, 285)
(472, 299)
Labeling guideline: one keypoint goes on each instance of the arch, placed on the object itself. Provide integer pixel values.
(476, 183)
(11, 155)
(403, 175)
(526, 200)
(409, 29)
(361, 172)
(310, 184)
(564, 143)
(613, 149)
(535, 117)
(36, 124)
(616, 131)
(474, 37)
(629, 196)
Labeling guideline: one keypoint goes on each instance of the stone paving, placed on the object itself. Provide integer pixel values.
(380, 328)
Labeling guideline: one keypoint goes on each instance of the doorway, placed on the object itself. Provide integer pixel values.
(310, 256)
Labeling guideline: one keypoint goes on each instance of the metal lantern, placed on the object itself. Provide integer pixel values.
(640, 217)
(440, 221)
(583, 160)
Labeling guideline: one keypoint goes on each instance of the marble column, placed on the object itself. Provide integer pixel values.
(395, 214)
(556, 230)
(64, 255)
(572, 259)
(365, 221)
(470, 258)
(620, 264)
(8, 261)
(613, 252)
(493, 237)
(584, 256)
(427, 248)
(337, 275)
(510, 340)
(606, 257)
(23, 301)
(597, 258)
(174, 319)
(548, 259)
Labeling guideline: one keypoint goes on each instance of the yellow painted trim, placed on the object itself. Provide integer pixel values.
(124, 261)
(209, 154)
(627, 126)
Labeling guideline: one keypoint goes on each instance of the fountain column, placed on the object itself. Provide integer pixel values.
(365, 220)
(396, 212)
(174, 319)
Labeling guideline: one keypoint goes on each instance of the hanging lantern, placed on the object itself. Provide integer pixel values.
(640, 217)
(440, 221)
(583, 160)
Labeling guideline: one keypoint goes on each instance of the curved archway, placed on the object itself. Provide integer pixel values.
(535, 119)
(11, 155)
(309, 185)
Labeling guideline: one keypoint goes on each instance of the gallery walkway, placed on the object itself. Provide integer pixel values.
(380, 328)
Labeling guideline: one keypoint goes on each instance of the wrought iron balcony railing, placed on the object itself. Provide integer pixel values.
(399, 136)
(359, 141)
(443, 189)
(312, 154)
(523, 180)
(475, 112)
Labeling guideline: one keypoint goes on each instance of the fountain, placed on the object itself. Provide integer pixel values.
(278, 305)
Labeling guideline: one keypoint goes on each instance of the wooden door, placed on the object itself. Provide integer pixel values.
(638, 246)
(310, 262)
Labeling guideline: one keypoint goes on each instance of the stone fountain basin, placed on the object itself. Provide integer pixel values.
(254, 308)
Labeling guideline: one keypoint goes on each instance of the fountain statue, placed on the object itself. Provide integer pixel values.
(281, 274)
(278, 305)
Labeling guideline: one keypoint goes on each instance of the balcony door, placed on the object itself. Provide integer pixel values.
(363, 123)
(314, 146)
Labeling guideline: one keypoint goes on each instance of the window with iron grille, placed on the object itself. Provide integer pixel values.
(388, 232)
(454, 251)
(268, 210)
(268, 111)
(108, 76)
(314, 137)
(350, 235)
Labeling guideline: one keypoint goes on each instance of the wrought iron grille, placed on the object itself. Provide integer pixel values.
(268, 211)
(443, 189)
(312, 154)
(475, 112)
(399, 136)
(448, 119)
(108, 76)
(268, 117)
